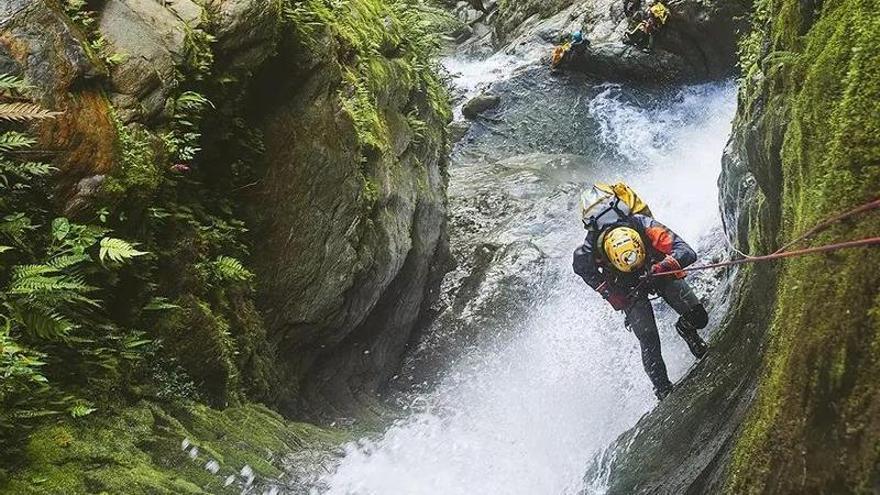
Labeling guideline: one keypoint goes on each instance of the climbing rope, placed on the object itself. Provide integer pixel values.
(784, 251)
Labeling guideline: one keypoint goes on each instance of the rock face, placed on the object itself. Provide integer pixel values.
(783, 404)
(347, 250)
(348, 211)
(698, 42)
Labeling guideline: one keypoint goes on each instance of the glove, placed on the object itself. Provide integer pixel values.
(668, 264)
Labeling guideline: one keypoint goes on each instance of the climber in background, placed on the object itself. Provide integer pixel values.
(624, 257)
(572, 45)
(647, 25)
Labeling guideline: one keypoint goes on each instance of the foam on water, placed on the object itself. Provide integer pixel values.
(525, 415)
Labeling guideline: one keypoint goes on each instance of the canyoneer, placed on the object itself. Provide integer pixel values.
(647, 25)
(623, 257)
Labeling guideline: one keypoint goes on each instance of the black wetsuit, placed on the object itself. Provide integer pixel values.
(624, 292)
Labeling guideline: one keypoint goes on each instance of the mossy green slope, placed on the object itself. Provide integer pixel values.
(140, 450)
(810, 106)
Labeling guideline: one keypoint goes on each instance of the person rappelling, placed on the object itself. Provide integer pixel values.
(626, 257)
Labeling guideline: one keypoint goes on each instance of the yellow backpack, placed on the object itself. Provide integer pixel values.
(604, 204)
(661, 12)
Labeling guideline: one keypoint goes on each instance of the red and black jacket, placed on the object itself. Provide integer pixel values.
(662, 246)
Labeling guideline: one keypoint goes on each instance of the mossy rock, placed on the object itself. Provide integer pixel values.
(140, 449)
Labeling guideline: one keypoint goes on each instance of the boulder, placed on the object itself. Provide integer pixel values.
(246, 32)
(151, 38)
(699, 42)
(479, 104)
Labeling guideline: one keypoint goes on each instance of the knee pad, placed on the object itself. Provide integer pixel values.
(697, 317)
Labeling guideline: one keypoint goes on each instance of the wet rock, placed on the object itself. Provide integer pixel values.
(86, 189)
(699, 41)
(38, 42)
(246, 31)
(505, 222)
(151, 39)
(354, 232)
(479, 104)
(458, 130)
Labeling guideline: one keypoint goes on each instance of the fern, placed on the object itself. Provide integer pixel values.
(27, 271)
(227, 268)
(80, 410)
(117, 250)
(11, 85)
(47, 325)
(24, 112)
(15, 141)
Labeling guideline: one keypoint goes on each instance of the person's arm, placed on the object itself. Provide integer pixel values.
(585, 266)
(678, 253)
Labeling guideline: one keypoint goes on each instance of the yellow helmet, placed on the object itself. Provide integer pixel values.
(624, 248)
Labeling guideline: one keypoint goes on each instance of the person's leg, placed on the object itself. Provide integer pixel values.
(640, 320)
(692, 314)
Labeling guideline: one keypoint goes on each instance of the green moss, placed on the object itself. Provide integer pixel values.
(200, 340)
(387, 53)
(139, 450)
(140, 167)
(815, 424)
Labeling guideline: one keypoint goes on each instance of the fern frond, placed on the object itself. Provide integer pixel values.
(69, 287)
(117, 250)
(63, 262)
(25, 112)
(12, 84)
(80, 410)
(28, 271)
(34, 169)
(227, 268)
(46, 325)
(14, 141)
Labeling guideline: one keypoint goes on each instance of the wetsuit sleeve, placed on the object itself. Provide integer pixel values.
(668, 242)
(585, 266)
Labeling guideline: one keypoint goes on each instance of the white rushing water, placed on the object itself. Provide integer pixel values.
(525, 415)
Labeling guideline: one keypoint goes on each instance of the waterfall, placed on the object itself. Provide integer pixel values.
(525, 413)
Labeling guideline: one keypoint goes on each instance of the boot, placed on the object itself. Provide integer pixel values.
(662, 391)
(695, 343)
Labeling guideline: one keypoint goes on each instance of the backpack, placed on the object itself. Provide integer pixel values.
(605, 205)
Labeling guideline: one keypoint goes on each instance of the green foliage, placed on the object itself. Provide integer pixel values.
(57, 340)
(117, 250)
(78, 11)
(809, 106)
(139, 450)
(12, 86)
(228, 269)
(182, 140)
(386, 47)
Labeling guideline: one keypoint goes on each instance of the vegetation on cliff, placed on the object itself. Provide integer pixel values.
(125, 288)
(808, 120)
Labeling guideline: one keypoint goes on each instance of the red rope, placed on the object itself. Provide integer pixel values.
(783, 251)
(871, 241)
(871, 205)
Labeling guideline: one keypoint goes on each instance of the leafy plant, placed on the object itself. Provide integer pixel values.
(24, 112)
(117, 250)
(228, 269)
